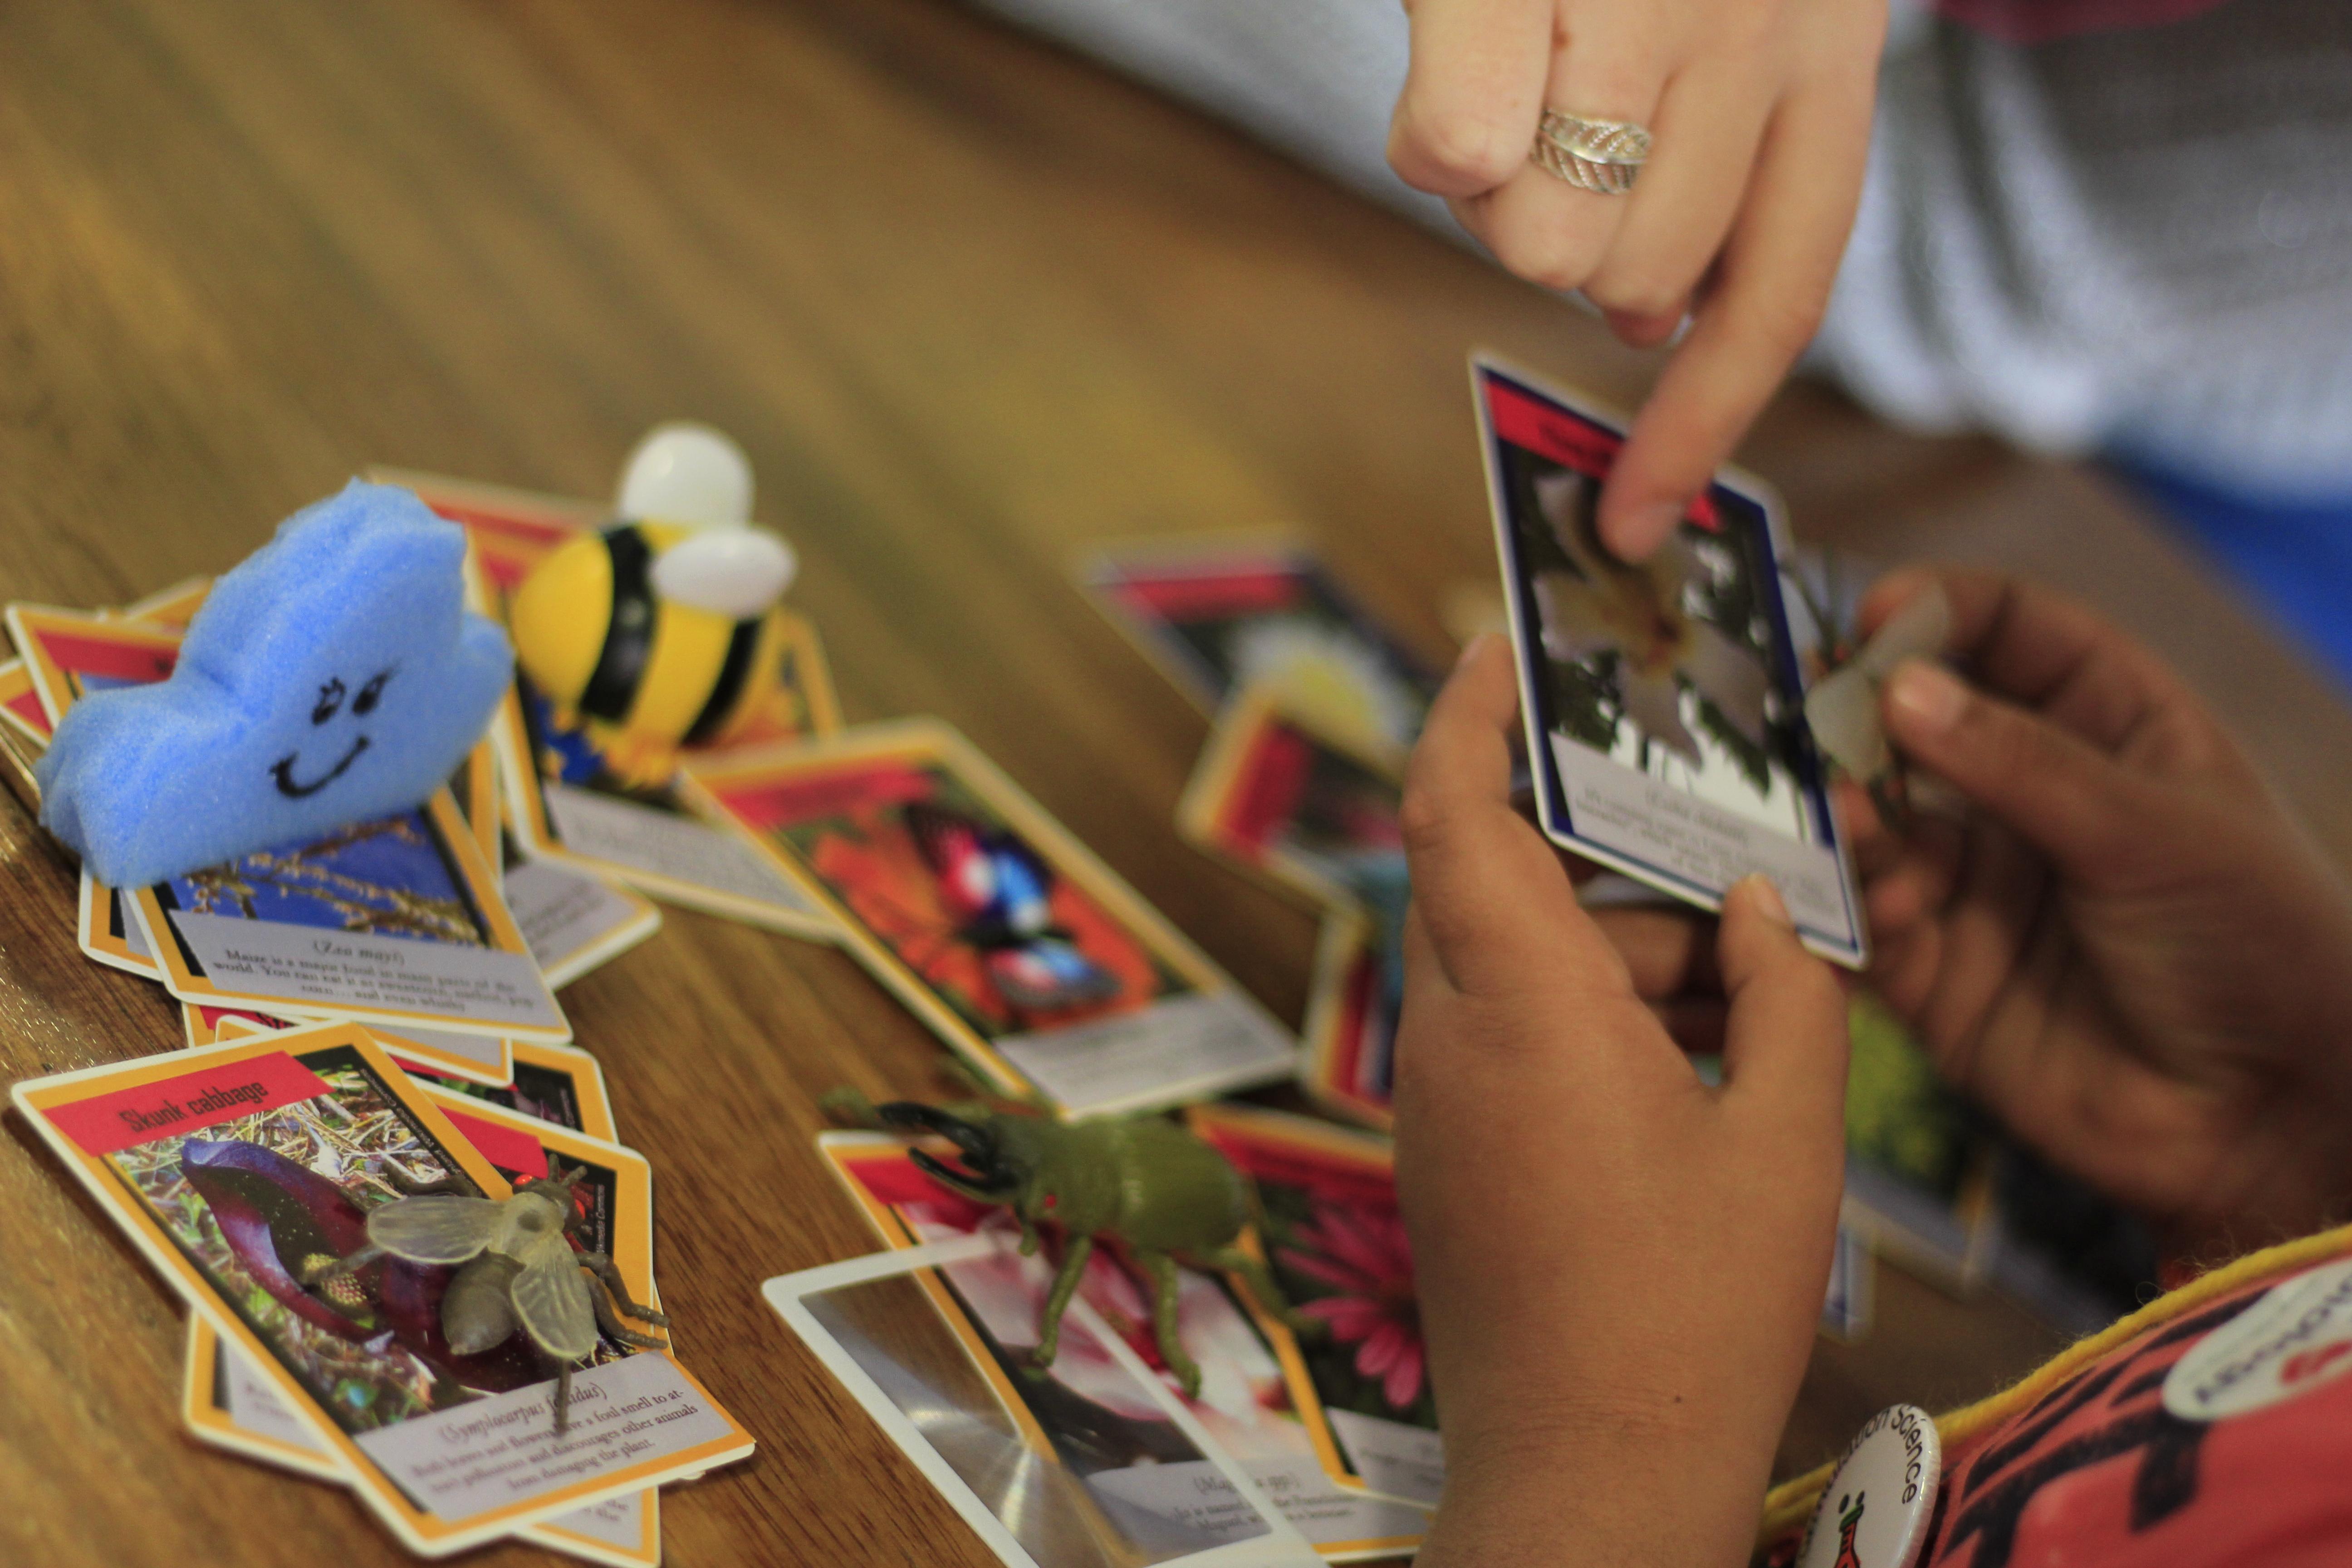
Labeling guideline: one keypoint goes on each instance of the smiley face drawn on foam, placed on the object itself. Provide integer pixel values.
(334, 676)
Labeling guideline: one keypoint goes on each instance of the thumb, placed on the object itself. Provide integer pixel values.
(1784, 1044)
(2051, 788)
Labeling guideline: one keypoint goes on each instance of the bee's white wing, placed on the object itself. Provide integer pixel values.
(551, 1297)
(435, 1228)
(736, 572)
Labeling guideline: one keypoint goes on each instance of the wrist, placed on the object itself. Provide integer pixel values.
(1660, 1494)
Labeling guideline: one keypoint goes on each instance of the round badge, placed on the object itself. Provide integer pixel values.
(1873, 1514)
(2294, 1339)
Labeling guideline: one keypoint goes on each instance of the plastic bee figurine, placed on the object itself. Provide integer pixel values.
(515, 1268)
(1144, 1183)
(663, 630)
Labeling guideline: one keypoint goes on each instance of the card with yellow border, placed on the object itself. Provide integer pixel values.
(1032, 959)
(212, 1164)
(1242, 1352)
(479, 1060)
(228, 1403)
(70, 652)
(20, 704)
(398, 921)
(560, 1085)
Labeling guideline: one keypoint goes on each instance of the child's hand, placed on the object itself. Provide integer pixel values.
(2129, 952)
(1620, 1268)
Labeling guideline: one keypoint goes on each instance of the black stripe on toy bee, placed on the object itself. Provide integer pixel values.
(629, 635)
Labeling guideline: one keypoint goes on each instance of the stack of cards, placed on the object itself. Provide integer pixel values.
(237, 1170)
(1325, 1446)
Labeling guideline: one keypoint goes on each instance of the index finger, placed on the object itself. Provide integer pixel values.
(1495, 902)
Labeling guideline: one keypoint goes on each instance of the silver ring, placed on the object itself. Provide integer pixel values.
(1598, 156)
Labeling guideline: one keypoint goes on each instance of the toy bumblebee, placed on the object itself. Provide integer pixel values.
(664, 629)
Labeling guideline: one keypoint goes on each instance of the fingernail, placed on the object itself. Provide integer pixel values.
(1471, 647)
(1767, 900)
(1925, 698)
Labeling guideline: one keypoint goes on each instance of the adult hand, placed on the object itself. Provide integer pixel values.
(2129, 952)
(1761, 115)
(1619, 1266)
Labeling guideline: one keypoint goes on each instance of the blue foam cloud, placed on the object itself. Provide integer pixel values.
(334, 676)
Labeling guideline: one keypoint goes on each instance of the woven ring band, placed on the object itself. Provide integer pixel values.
(1598, 156)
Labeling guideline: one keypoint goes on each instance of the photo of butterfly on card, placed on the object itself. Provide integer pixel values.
(1049, 975)
(1663, 700)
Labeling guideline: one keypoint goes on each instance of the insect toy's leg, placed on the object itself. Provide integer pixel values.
(1066, 1285)
(563, 1396)
(1164, 1288)
(600, 1264)
(1260, 1280)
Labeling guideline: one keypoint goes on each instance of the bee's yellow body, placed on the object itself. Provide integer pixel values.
(642, 675)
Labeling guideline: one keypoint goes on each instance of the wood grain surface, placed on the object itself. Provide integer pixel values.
(969, 303)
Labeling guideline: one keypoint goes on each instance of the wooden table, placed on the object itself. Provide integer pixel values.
(969, 303)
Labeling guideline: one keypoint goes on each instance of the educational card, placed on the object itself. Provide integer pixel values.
(174, 606)
(70, 652)
(1030, 958)
(1337, 1246)
(1216, 614)
(478, 1060)
(1353, 1002)
(397, 921)
(109, 933)
(1277, 794)
(227, 1402)
(419, 877)
(20, 704)
(1244, 1400)
(214, 1163)
(1099, 1464)
(561, 1085)
(1663, 705)
(574, 920)
(563, 803)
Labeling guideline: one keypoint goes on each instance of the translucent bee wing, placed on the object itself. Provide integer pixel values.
(434, 1228)
(551, 1298)
(736, 572)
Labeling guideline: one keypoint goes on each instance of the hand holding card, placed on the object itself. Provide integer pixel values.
(1618, 1265)
(2205, 1084)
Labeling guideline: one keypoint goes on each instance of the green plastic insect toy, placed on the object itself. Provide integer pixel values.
(1142, 1182)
